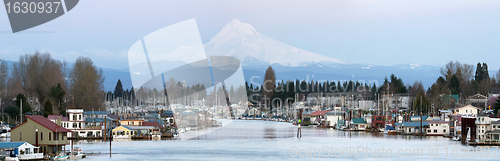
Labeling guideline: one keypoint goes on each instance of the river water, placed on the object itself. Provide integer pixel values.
(265, 140)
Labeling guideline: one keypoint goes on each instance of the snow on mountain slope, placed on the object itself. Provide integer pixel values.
(242, 41)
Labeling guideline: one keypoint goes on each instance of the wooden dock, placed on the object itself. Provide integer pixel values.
(484, 144)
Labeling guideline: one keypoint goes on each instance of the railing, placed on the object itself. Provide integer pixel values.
(483, 122)
(31, 156)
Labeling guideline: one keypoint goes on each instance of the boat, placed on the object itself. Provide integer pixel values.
(121, 137)
(4, 131)
(9, 155)
(156, 135)
(62, 156)
(456, 138)
(181, 130)
(468, 134)
(76, 154)
(389, 130)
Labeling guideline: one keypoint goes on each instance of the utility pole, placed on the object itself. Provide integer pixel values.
(21, 113)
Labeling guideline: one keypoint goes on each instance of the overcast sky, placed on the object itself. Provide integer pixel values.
(380, 32)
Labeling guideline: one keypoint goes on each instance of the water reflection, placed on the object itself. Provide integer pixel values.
(264, 140)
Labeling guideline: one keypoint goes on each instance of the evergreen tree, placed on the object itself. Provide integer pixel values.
(12, 110)
(479, 73)
(57, 93)
(497, 106)
(132, 94)
(421, 103)
(484, 72)
(454, 85)
(47, 109)
(118, 89)
(26, 106)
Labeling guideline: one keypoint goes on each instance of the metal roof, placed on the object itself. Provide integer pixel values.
(338, 113)
(46, 123)
(95, 112)
(126, 127)
(4, 145)
(358, 121)
(319, 113)
(415, 124)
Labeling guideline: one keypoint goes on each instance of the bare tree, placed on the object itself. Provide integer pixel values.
(416, 88)
(86, 85)
(497, 78)
(34, 75)
(3, 78)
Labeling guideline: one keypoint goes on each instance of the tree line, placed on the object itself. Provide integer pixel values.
(48, 86)
(456, 79)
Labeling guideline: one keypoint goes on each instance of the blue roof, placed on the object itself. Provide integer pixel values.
(95, 112)
(167, 114)
(4, 145)
(415, 124)
(358, 121)
(96, 119)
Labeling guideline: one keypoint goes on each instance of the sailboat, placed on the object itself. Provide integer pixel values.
(4, 131)
(468, 134)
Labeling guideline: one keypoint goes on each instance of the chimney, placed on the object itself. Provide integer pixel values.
(58, 120)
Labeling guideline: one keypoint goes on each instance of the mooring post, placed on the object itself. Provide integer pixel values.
(110, 143)
(299, 131)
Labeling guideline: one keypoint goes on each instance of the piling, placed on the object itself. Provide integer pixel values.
(299, 131)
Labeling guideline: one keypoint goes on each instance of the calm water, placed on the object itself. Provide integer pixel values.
(262, 140)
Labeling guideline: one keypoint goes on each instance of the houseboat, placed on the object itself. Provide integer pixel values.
(20, 151)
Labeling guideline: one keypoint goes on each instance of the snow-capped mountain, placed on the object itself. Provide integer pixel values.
(242, 41)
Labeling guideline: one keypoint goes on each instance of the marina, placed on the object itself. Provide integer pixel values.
(269, 140)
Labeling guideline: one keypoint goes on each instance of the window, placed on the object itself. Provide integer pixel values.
(444, 130)
(79, 117)
(50, 136)
(428, 131)
(27, 151)
(458, 110)
(435, 130)
(41, 136)
(127, 132)
(20, 136)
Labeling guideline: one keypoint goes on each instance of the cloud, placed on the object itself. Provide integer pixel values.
(101, 57)
(11, 53)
